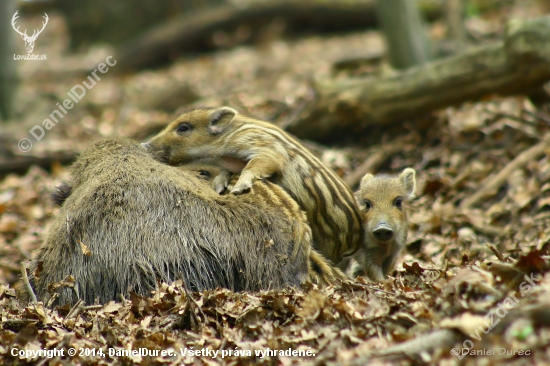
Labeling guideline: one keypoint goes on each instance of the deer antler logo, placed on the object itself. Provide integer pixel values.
(29, 41)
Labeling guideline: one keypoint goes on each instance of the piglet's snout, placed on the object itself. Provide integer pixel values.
(383, 231)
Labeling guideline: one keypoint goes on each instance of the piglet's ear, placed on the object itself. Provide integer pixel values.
(408, 179)
(220, 118)
(365, 180)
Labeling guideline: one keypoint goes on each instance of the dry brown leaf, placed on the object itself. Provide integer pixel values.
(84, 249)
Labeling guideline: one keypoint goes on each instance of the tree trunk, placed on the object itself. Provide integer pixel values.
(455, 13)
(8, 78)
(404, 32)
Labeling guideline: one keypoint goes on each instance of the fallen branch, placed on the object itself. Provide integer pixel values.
(192, 32)
(518, 64)
(21, 164)
(491, 184)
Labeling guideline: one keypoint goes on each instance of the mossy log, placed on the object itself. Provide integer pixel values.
(519, 64)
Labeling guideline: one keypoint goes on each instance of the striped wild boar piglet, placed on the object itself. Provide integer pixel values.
(260, 150)
(383, 201)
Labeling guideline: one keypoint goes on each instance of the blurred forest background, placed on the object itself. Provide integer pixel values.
(456, 89)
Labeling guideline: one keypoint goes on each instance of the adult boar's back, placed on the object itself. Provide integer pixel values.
(128, 222)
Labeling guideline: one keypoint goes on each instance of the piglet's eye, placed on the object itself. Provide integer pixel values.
(184, 127)
(204, 174)
(368, 204)
(398, 202)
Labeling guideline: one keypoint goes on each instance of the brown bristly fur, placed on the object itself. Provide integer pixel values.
(129, 222)
(320, 270)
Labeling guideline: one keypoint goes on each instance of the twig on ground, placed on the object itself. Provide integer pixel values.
(191, 306)
(27, 283)
(93, 307)
(52, 299)
(491, 184)
(75, 310)
(497, 253)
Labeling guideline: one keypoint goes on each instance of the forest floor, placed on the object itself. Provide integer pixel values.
(475, 272)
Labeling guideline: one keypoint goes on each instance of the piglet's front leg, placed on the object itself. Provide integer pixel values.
(257, 168)
(221, 182)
